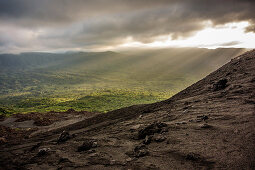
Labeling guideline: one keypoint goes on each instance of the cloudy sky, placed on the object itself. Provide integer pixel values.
(63, 25)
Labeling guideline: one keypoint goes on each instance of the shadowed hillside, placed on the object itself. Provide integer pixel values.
(209, 125)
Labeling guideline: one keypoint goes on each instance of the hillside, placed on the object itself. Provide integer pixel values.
(101, 81)
(209, 125)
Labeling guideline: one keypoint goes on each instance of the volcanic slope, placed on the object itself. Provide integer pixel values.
(209, 125)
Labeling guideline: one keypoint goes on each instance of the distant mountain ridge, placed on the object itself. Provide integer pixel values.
(197, 58)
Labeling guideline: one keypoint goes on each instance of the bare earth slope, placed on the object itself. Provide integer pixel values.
(209, 125)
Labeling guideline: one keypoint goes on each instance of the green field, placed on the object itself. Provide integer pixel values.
(96, 97)
(101, 81)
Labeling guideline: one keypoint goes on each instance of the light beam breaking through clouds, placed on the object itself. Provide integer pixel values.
(61, 25)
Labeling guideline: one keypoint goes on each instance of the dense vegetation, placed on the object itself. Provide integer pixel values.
(101, 81)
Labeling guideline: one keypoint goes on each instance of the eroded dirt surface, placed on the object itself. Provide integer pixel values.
(19, 126)
(209, 125)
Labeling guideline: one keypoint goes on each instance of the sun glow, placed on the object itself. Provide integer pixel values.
(228, 35)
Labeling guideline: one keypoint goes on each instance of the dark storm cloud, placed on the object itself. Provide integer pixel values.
(46, 12)
(89, 23)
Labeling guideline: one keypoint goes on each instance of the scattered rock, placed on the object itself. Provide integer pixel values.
(159, 138)
(151, 129)
(129, 159)
(138, 151)
(183, 122)
(112, 162)
(220, 85)
(192, 157)
(91, 151)
(164, 130)
(141, 153)
(43, 151)
(64, 136)
(206, 126)
(201, 118)
(87, 145)
(94, 145)
(135, 127)
(62, 160)
(94, 154)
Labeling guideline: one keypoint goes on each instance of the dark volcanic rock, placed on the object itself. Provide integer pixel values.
(206, 126)
(202, 118)
(159, 138)
(64, 136)
(151, 129)
(220, 85)
(43, 151)
(87, 145)
(140, 151)
(192, 157)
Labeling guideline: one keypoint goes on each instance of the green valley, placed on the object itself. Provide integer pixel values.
(101, 81)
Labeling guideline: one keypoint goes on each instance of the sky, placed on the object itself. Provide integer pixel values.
(99, 25)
